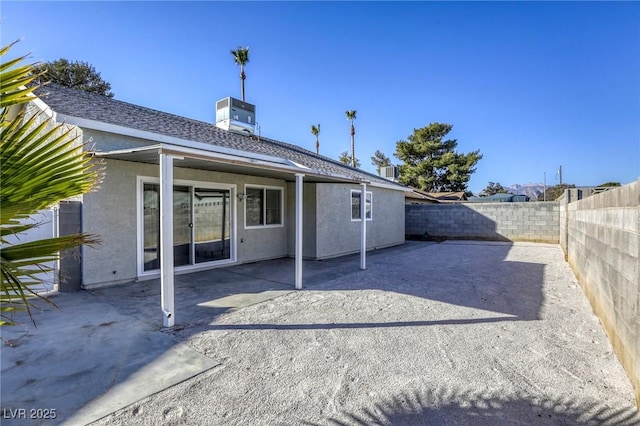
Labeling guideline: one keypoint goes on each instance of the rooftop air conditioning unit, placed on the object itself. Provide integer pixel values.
(236, 116)
(389, 172)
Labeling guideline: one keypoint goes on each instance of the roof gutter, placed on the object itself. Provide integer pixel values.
(198, 154)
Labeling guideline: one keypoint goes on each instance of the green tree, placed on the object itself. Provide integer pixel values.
(552, 193)
(241, 57)
(346, 158)
(74, 74)
(492, 189)
(380, 160)
(315, 131)
(609, 184)
(351, 115)
(42, 164)
(432, 163)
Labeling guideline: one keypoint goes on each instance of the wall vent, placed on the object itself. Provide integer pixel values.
(389, 172)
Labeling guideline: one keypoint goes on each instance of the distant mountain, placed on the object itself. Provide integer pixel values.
(530, 189)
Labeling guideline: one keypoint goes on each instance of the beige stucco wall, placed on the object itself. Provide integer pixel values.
(334, 219)
(328, 230)
(111, 213)
(103, 141)
(308, 220)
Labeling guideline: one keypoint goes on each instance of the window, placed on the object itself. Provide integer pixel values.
(263, 206)
(355, 205)
(254, 207)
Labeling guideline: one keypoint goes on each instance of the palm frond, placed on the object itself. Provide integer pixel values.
(14, 84)
(41, 167)
(241, 55)
(45, 250)
(42, 163)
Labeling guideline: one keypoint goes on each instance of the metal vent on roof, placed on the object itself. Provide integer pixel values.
(389, 172)
(223, 103)
(236, 116)
(235, 103)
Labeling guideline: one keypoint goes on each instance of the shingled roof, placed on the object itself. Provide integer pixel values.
(91, 106)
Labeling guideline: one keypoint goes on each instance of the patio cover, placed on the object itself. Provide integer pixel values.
(208, 157)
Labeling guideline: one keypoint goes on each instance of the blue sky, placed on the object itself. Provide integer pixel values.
(532, 85)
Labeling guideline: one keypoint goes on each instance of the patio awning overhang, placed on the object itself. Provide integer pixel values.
(168, 156)
(169, 150)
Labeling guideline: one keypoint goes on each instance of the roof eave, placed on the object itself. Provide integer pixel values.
(137, 154)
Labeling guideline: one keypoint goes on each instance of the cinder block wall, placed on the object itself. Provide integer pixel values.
(602, 245)
(531, 221)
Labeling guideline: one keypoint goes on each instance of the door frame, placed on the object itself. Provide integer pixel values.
(232, 188)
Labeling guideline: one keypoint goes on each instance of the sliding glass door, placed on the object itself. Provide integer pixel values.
(202, 225)
(181, 225)
(211, 224)
(151, 226)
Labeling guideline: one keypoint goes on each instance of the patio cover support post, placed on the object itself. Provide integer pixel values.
(363, 226)
(299, 202)
(166, 240)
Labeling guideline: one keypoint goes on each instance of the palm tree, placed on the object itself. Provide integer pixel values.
(42, 164)
(345, 158)
(351, 115)
(315, 131)
(241, 56)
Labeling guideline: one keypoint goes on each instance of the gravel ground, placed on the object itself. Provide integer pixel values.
(444, 334)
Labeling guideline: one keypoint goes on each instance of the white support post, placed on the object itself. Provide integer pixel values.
(299, 202)
(166, 240)
(363, 226)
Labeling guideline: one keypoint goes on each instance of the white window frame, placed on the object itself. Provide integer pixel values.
(264, 211)
(140, 181)
(368, 200)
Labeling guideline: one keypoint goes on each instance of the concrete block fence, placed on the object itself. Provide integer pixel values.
(537, 222)
(599, 235)
(601, 241)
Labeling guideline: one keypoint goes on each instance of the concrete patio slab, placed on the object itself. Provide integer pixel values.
(85, 361)
(450, 333)
(103, 350)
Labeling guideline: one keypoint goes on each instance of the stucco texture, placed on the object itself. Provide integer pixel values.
(110, 212)
(337, 234)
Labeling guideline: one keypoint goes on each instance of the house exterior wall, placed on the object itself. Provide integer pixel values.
(104, 141)
(537, 221)
(111, 213)
(308, 220)
(601, 241)
(334, 219)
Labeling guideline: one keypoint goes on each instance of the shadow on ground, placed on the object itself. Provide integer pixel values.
(477, 275)
(446, 406)
(93, 340)
(455, 273)
(451, 272)
(199, 296)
